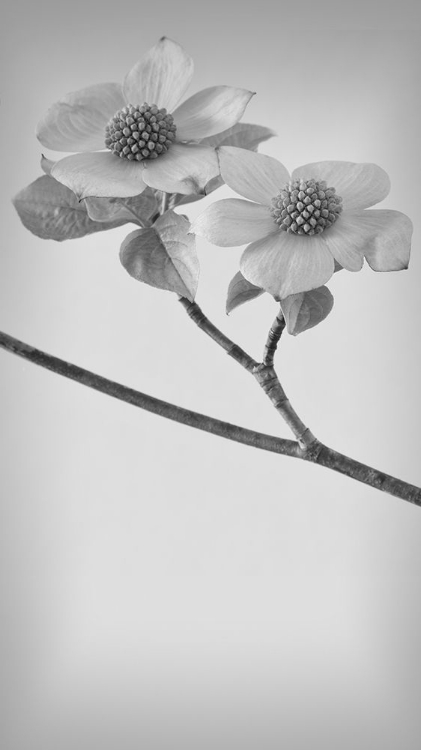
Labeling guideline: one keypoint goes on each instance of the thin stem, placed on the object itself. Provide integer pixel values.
(274, 335)
(164, 202)
(264, 374)
(323, 456)
(234, 351)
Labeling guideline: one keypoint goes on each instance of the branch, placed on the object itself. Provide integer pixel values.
(263, 373)
(321, 454)
(149, 403)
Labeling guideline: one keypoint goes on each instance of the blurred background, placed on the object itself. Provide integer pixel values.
(163, 588)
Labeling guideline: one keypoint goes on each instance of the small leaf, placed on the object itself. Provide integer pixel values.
(163, 256)
(138, 209)
(240, 291)
(242, 135)
(51, 211)
(307, 309)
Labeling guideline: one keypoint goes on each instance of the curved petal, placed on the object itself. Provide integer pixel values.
(254, 176)
(234, 222)
(359, 185)
(185, 168)
(101, 174)
(77, 122)
(384, 238)
(46, 164)
(285, 264)
(161, 77)
(345, 240)
(210, 111)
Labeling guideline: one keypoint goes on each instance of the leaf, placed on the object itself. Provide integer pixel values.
(51, 211)
(242, 135)
(240, 291)
(163, 256)
(307, 309)
(140, 208)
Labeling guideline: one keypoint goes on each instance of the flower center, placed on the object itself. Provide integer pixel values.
(306, 207)
(140, 132)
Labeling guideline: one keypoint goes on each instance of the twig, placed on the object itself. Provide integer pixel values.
(274, 335)
(323, 456)
(264, 374)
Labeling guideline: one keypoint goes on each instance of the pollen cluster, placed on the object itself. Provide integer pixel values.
(306, 207)
(141, 132)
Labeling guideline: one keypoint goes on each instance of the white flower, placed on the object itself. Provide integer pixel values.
(142, 122)
(299, 225)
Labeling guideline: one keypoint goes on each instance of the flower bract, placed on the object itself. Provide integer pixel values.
(298, 225)
(137, 133)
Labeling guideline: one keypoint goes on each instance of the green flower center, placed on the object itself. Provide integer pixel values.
(140, 132)
(306, 207)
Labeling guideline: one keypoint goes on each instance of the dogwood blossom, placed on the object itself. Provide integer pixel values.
(151, 139)
(298, 225)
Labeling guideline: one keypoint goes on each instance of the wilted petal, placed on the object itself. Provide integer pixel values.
(385, 238)
(185, 168)
(77, 122)
(285, 264)
(241, 135)
(46, 164)
(234, 222)
(100, 174)
(210, 111)
(254, 176)
(359, 185)
(161, 77)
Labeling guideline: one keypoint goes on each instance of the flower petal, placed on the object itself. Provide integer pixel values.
(100, 174)
(241, 135)
(161, 77)
(210, 111)
(185, 168)
(234, 222)
(359, 185)
(254, 176)
(385, 238)
(285, 264)
(77, 122)
(345, 240)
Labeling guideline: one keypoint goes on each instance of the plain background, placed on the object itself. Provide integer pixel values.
(163, 588)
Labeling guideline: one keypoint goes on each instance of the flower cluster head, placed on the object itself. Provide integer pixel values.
(137, 133)
(301, 226)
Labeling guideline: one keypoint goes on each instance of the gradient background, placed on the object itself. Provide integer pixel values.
(163, 588)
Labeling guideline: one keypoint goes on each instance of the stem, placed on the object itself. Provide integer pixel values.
(323, 456)
(234, 351)
(264, 374)
(164, 202)
(274, 335)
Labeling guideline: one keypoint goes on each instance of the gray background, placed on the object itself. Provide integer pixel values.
(163, 588)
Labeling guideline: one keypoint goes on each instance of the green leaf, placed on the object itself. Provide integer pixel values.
(138, 209)
(242, 135)
(163, 256)
(240, 291)
(307, 309)
(51, 211)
